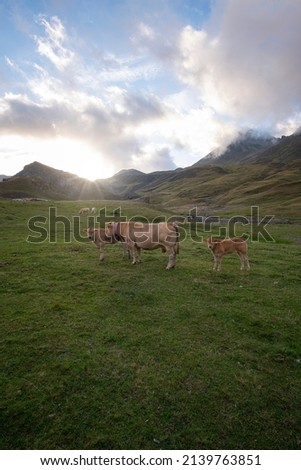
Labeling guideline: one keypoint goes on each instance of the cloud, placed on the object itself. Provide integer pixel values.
(19, 115)
(52, 46)
(146, 31)
(175, 95)
(129, 72)
(83, 106)
(79, 115)
(244, 63)
(137, 107)
(151, 157)
(108, 125)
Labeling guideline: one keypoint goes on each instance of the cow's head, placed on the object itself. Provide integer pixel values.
(210, 243)
(90, 232)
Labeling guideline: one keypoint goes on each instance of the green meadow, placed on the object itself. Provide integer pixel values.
(115, 356)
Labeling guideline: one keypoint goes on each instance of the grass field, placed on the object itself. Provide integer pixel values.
(115, 356)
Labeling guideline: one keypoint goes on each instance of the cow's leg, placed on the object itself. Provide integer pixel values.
(135, 251)
(171, 257)
(245, 262)
(138, 254)
(130, 247)
(218, 261)
(126, 250)
(241, 256)
(101, 253)
(215, 262)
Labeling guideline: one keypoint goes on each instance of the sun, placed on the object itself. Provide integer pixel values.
(73, 156)
(78, 158)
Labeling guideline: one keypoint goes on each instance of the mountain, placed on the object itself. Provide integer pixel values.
(3, 177)
(37, 180)
(254, 170)
(128, 184)
(270, 177)
(286, 152)
(243, 149)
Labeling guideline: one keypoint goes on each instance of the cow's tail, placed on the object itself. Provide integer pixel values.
(177, 245)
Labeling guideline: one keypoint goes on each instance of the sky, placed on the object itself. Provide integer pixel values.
(96, 86)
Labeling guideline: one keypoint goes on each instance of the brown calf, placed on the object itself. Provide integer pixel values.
(220, 248)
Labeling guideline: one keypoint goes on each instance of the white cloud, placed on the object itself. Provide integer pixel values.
(289, 126)
(189, 131)
(152, 157)
(106, 124)
(246, 63)
(9, 62)
(146, 30)
(128, 72)
(51, 46)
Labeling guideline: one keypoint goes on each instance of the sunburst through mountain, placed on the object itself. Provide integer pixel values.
(236, 179)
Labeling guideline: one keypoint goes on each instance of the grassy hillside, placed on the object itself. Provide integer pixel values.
(233, 188)
(287, 151)
(41, 181)
(115, 356)
(248, 173)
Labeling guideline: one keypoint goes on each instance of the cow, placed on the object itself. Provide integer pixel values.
(98, 236)
(84, 210)
(139, 235)
(220, 248)
(93, 210)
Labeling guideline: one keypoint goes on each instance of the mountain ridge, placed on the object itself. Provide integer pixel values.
(245, 146)
(249, 171)
(39, 180)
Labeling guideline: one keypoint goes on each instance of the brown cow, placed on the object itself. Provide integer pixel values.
(100, 239)
(138, 235)
(220, 248)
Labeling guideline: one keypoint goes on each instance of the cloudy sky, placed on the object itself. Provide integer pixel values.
(95, 86)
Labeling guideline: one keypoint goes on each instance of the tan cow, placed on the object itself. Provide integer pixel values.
(100, 239)
(138, 235)
(220, 248)
(84, 210)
